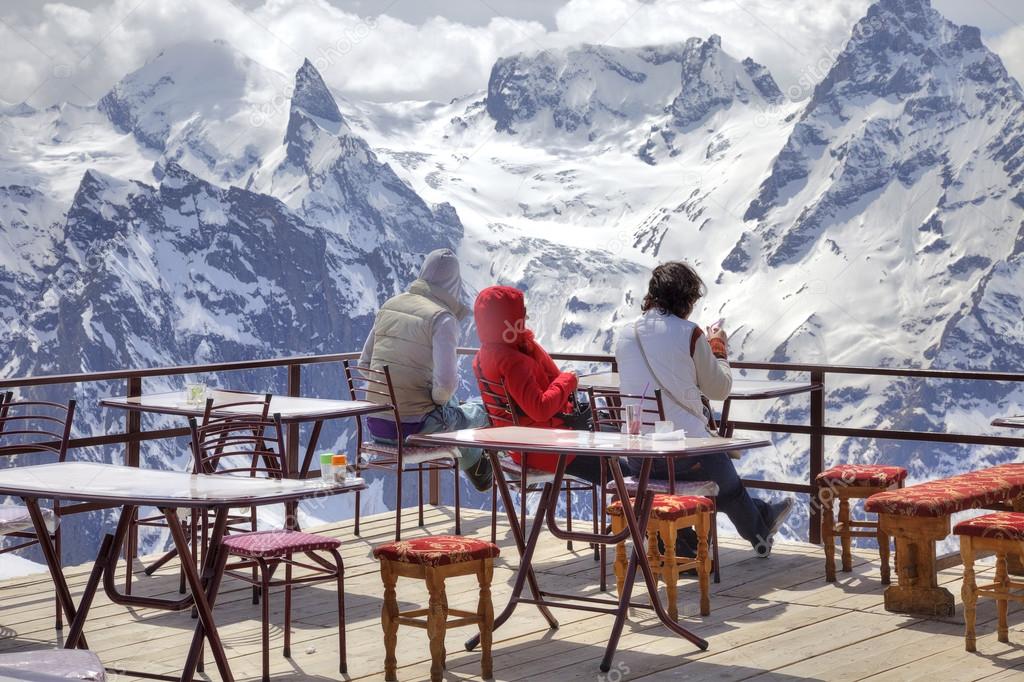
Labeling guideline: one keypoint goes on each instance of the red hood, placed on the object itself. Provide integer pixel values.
(500, 314)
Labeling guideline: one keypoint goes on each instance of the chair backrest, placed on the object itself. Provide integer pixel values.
(500, 408)
(35, 426)
(224, 409)
(374, 385)
(608, 407)
(612, 413)
(219, 444)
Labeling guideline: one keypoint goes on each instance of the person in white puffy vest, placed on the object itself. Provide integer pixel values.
(416, 335)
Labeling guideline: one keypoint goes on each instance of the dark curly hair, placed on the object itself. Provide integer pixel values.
(674, 289)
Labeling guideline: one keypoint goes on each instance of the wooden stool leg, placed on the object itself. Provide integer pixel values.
(828, 535)
(844, 534)
(883, 556)
(703, 567)
(389, 620)
(618, 523)
(654, 556)
(436, 623)
(969, 592)
(670, 566)
(486, 612)
(1003, 580)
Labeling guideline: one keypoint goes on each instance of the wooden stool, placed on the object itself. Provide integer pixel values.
(433, 559)
(1003, 534)
(846, 482)
(669, 514)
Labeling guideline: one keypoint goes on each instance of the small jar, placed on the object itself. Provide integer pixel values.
(340, 466)
(327, 467)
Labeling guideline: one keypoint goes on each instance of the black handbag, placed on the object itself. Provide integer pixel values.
(580, 419)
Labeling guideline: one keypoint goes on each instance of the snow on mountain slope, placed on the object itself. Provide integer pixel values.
(203, 105)
(334, 179)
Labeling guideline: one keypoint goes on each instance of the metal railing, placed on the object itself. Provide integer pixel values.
(816, 429)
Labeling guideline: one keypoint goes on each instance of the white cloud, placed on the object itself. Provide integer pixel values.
(1010, 47)
(61, 51)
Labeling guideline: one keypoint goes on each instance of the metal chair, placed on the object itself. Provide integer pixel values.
(196, 526)
(608, 406)
(375, 385)
(254, 446)
(502, 412)
(34, 426)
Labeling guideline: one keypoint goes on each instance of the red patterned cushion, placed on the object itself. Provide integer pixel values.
(863, 474)
(669, 507)
(271, 543)
(437, 550)
(973, 490)
(1002, 526)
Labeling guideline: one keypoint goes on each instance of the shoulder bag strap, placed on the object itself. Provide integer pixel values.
(657, 381)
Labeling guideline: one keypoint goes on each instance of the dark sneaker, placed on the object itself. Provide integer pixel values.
(779, 512)
(481, 475)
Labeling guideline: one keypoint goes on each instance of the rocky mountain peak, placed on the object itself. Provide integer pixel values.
(313, 96)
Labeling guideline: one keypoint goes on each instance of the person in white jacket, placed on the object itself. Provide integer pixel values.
(663, 349)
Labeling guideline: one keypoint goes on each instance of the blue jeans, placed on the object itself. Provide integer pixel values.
(451, 416)
(750, 515)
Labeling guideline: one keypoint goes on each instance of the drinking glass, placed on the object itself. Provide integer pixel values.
(633, 420)
(195, 394)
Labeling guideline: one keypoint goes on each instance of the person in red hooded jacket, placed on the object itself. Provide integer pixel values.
(540, 391)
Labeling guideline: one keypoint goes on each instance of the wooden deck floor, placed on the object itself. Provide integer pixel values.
(772, 619)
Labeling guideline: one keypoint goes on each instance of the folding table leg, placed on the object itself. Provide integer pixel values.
(60, 585)
(204, 591)
(526, 547)
(637, 523)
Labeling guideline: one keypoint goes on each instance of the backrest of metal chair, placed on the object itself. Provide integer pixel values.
(612, 413)
(498, 403)
(608, 407)
(375, 386)
(224, 440)
(229, 410)
(28, 426)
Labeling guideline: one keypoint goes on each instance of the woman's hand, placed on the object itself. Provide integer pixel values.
(718, 333)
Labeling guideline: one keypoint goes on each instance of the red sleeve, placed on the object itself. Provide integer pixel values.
(539, 403)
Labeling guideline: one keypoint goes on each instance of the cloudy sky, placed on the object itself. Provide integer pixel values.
(426, 49)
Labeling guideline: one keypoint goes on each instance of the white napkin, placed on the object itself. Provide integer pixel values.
(678, 434)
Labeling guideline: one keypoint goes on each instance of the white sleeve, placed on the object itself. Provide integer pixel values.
(366, 357)
(446, 362)
(714, 376)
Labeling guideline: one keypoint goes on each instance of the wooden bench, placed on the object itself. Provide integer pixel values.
(919, 516)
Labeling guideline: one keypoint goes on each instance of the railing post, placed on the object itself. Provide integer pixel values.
(294, 391)
(817, 463)
(132, 458)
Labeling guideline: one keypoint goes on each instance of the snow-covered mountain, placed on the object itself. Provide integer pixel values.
(208, 208)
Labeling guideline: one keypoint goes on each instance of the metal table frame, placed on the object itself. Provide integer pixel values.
(772, 389)
(1009, 422)
(636, 513)
(352, 408)
(203, 585)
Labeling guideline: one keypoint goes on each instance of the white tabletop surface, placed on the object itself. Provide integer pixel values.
(583, 442)
(85, 481)
(288, 407)
(741, 388)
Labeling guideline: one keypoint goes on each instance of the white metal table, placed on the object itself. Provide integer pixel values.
(742, 389)
(609, 446)
(130, 488)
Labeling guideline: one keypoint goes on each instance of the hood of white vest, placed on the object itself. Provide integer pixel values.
(440, 274)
